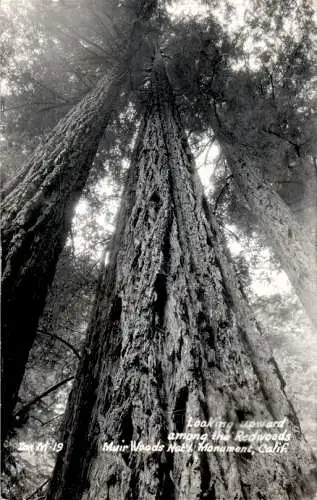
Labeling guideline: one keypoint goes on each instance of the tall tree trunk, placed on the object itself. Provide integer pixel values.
(169, 341)
(295, 249)
(38, 206)
(36, 215)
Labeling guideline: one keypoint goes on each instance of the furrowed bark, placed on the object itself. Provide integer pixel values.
(38, 205)
(295, 249)
(36, 215)
(168, 341)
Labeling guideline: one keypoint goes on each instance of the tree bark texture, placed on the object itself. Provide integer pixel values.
(295, 249)
(171, 338)
(36, 216)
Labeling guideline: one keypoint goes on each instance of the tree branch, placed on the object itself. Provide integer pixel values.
(296, 146)
(53, 335)
(51, 420)
(33, 103)
(222, 191)
(77, 36)
(41, 84)
(38, 489)
(41, 396)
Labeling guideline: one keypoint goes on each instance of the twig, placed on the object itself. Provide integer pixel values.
(68, 344)
(43, 395)
(38, 489)
(296, 146)
(51, 420)
(236, 237)
(220, 195)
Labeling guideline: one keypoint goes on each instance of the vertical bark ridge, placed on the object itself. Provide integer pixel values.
(264, 364)
(183, 352)
(78, 430)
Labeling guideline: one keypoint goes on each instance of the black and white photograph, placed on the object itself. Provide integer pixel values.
(159, 249)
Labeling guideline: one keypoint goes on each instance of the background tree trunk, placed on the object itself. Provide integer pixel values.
(295, 249)
(168, 341)
(37, 211)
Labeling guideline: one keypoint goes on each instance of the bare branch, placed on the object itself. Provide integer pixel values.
(53, 335)
(39, 83)
(38, 489)
(41, 396)
(296, 146)
(52, 419)
(222, 192)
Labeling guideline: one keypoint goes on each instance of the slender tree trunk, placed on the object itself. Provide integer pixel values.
(36, 216)
(171, 339)
(295, 248)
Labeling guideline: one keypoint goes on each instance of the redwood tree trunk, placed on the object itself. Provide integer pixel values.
(295, 249)
(171, 339)
(36, 214)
